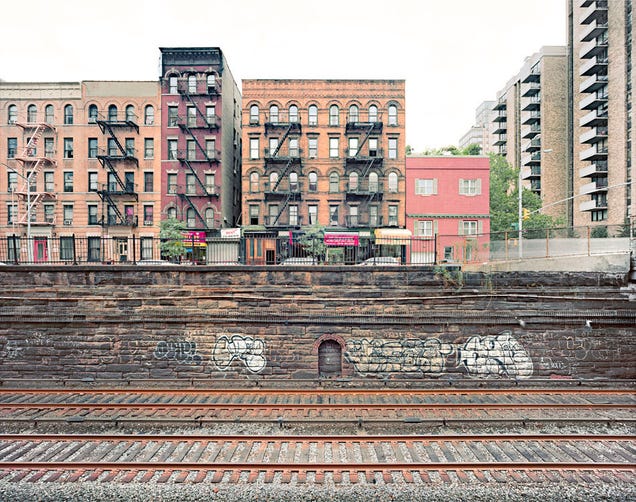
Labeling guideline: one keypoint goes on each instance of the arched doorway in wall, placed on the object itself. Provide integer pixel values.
(329, 359)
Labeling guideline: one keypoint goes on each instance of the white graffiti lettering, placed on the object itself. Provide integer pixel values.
(243, 348)
(183, 351)
(495, 356)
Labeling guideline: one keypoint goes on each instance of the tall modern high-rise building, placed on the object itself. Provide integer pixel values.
(601, 149)
(479, 133)
(530, 126)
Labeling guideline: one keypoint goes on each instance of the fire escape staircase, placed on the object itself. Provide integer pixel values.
(288, 198)
(190, 202)
(197, 177)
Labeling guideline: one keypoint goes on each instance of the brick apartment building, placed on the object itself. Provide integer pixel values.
(326, 153)
(448, 207)
(78, 159)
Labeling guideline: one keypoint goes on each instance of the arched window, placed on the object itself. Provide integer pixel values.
(254, 182)
(190, 219)
(330, 359)
(172, 85)
(211, 83)
(149, 115)
(373, 182)
(172, 212)
(68, 114)
(333, 115)
(209, 217)
(92, 114)
(293, 113)
(373, 113)
(273, 114)
(353, 182)
(313, 181)
(49, 114)
(254, 114)
(354, 113)
(334, 183)
(12, 116)
(32, 113)
(192, 84)
(130, 114)
(273, 179)
(313, 115)
(112, 113)
(393, 115)
(393, 182)
(293, 182)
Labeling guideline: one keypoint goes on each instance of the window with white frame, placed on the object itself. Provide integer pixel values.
(424, 228)
(12, 147)
(209, 217)
(173, 116)
(172, 183)
(393, 148)
(333, 215)
(68, 114)
(210, 149)
(254, 212)
(312, 114)
(353, 147)
(68, 148)
(293, 113)
(425, 186)
(353, 216)
(393, 216)
(49, 114)
(32, 113)
(373, 216)
(190, 218)
(468, 227)
(49, 213)
(393, 115)
(470, 187)
(172, 149)
(210, 115)
(353, 182)
(12, 114)
(334, 183)
(172, 85)
(49, 184)
(254, 114)
(149, 148)
(312, 211)
(373, 113)
(210, 186)
(149, 115)
(191, 149)
(294, 151)
(273, 145)
(313, 147)
(313, 181)
(334, 148)
(273, 114)
(254, 184)
(191, 187)
(393, 182)
(374, 185)
(354, 113)
(254, 148)
(192, 84)
(191, 114)
(131, 116)
(92, 181)
(334, 113)
(293, 214)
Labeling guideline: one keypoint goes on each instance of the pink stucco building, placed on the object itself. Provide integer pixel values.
(447, 208)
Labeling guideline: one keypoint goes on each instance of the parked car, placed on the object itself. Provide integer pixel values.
(381, 261)
(306, 260)
(155, 262)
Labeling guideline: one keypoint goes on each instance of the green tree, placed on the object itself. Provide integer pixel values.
(472, 149)
(313, 242)
(171, 235)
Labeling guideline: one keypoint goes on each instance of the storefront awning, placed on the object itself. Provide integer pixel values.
(393, 236)
(341, 238)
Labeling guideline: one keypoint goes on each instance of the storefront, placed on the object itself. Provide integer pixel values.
(394, 242)
(342, 247)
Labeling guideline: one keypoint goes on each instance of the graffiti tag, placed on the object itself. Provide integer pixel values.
(182, 351)
(250, 351)
(495, 356)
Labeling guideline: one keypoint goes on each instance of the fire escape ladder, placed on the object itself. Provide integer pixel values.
(365, 138)
(196, 141)
(367, 168)
(106, 127)
(283, 174)
(196, 176)
(107, 164)
(283, 207)
(194, 207)
(282, 140)
(105, 196)
(199, 112)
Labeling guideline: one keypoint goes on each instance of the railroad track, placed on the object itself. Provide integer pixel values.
(317, 459)
(204, 406)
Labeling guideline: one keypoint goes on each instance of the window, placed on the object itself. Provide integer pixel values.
(211, 83)
(92, 181)
(254, 182)
(468, 227)
(191, 152)
(313, 115)
(190, 218)
(293, 113)
(112, 113)
(146, 248)
(210, 186)
(68, 148)
(191, 116)
(12, 147)
(272, 214)
(172, 85)
(130, 114)
(333, 115)
(148, 215)
(293, 182)
(254, 114)
(373, 182)
(373, 216)
(49, 114)
(130, 147)
(172, 183)
(425, 186)
(49, 213)
(112, 184)
(129, 182)
(373, 147)
(92, 214)
(273, 114)
(210, 115)
(424, 228)
(273, 145)
(293, 214)
(12, 114)
(192, 84)
(294, 151)
(66, 248)
(191, 188)
(313, 181)
(12, 211)
(149, 115)
(49, 185)
(94, 249)
(68, 114)
(470, 187)
(173, 116)
(353, 216)
(172, 149)
(393, 153)
(92, 114)
(273, 180)
(334, 183)
(393, 216)
(12, 181)
(32, 113)
(393, 183)
(373, 113)
(333, 215)
(209, 217)
(334, 149)
(129, 214)
(353, 182)
(254, 148)
(312, 211)
(149, 148)
(353, 147)
(254, 213)
(49, 147)
(67, 210)
(393, 115)
(33, 187)
(313, 148)
(600, 215)
(210, 149)
(112, 148)
(149, 182)
(92, 148)
(354, 113)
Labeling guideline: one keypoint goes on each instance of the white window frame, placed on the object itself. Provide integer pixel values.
(426, 186)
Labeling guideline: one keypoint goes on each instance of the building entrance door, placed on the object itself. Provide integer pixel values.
(330, 359)
(40, 250)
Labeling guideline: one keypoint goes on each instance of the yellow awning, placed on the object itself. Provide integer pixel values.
(393, 236)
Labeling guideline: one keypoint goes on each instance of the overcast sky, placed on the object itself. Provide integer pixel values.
(453, 54)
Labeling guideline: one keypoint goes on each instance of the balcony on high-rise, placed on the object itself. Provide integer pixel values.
(596, 11)
(594, 101)
(593, 48)
(595, 117)
(597, 64)
(594, 135)
(595, 168)
(598, 185)
(593, 83)
(596, 152)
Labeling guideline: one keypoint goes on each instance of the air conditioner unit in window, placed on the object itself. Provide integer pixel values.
(148, 223)
(68, 223)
